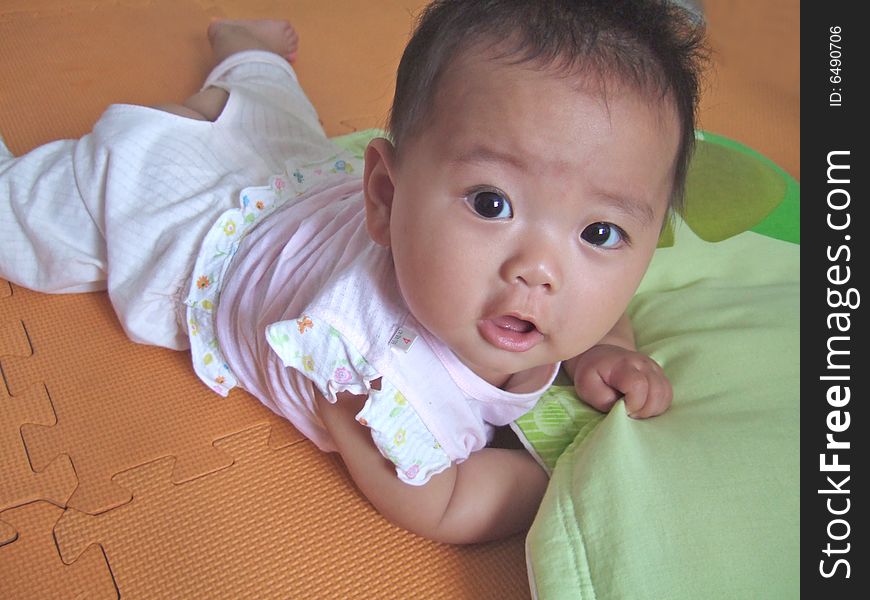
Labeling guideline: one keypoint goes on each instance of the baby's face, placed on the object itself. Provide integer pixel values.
(525, 214)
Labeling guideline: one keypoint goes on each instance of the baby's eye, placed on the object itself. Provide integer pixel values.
(490, 204)
(604, 235)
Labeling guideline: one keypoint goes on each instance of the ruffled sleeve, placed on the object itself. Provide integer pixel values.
(319, 351)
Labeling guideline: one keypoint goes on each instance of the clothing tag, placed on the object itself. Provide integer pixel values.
(402, 339)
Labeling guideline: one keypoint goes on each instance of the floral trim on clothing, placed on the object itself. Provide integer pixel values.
(220, 245)
(322, 354)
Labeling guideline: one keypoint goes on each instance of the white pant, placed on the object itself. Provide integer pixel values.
(125, 207)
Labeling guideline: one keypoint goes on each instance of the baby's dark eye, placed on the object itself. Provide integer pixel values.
(604, 235)
(490, 204)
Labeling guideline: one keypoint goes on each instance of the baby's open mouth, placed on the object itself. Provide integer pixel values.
(510, 333)
(514, 324)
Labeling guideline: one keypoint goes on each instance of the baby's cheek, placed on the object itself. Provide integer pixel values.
(577, 342)
(427, 295)
(584, 328)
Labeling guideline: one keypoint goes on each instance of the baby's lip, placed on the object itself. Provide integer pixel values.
(510, 332)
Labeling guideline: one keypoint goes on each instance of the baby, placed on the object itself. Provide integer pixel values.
(400, 317)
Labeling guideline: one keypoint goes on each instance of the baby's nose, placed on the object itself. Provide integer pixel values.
(534, 268)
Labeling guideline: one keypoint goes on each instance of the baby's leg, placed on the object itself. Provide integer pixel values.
(50, 240)
(228, 37)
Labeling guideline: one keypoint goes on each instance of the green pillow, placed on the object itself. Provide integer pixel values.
(701, 502)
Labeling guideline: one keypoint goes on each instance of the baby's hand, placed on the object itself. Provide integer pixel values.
(605, 372)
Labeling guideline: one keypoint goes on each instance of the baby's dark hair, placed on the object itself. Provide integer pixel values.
(655, 45)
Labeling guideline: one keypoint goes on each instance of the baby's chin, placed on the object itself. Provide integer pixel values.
(497, 368)
(494, 375)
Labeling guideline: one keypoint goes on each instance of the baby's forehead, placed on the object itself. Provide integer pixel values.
(586, 78)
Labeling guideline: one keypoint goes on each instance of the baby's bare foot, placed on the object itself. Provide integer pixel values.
(228, 36)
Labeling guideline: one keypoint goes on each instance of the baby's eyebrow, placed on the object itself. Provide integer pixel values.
(485, 154)
(642, 212)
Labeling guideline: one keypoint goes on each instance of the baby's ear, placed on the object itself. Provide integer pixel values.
(379, 188)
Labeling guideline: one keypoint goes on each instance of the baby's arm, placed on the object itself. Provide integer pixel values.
(493, 494)
(613, 368)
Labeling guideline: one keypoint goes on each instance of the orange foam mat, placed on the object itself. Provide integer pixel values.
(120, 473)
(39, 572)
(752, 93)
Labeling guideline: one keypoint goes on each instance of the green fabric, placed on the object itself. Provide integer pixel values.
(701, 502)
(557, 421)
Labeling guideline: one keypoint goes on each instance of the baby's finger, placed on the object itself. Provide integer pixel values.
(595, 392)
(658, 400)
(634, 384)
